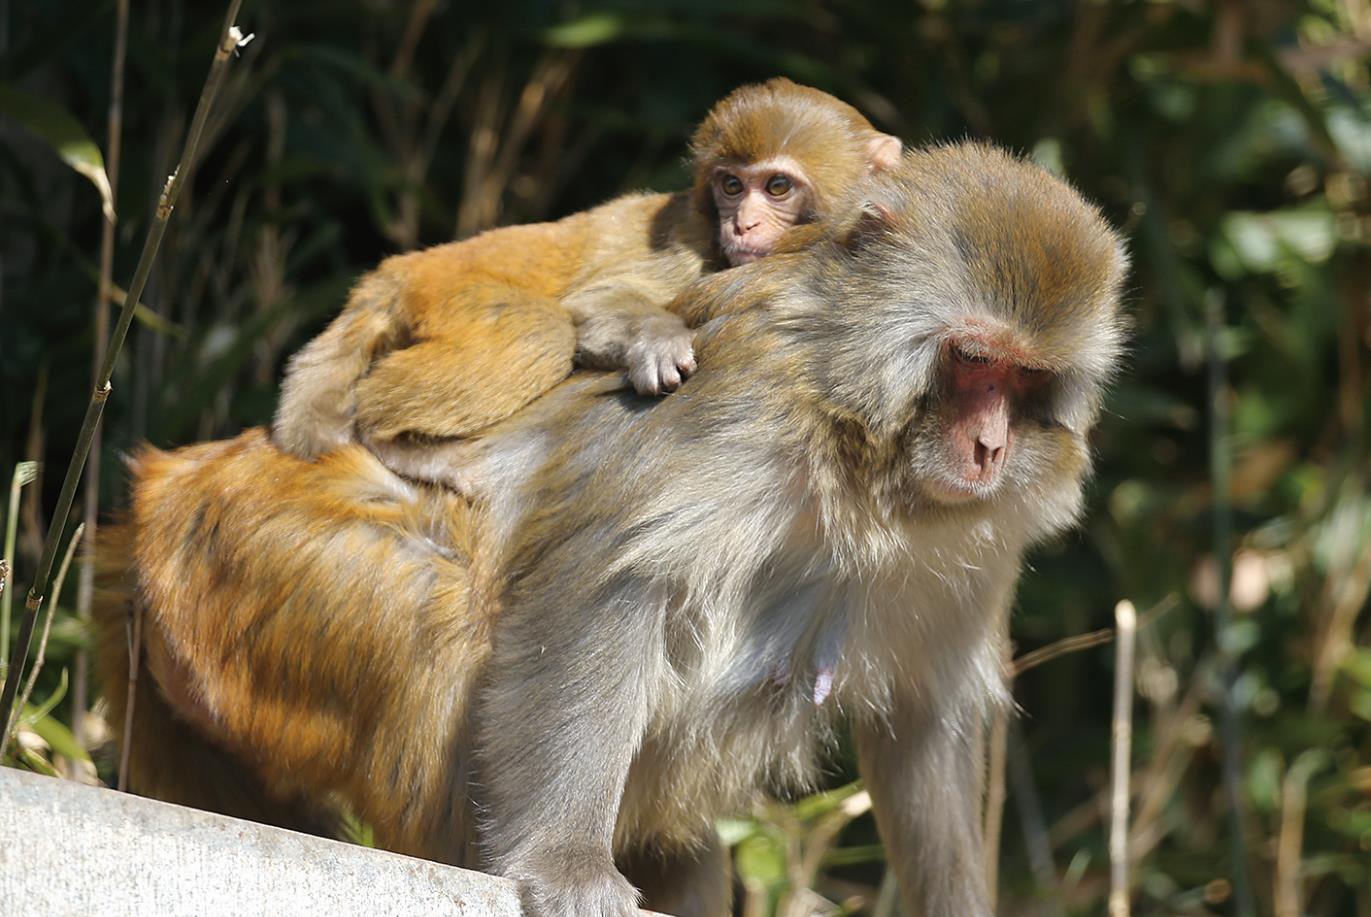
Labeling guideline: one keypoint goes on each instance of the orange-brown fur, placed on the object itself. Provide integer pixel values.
(446, 341)
(404, 636)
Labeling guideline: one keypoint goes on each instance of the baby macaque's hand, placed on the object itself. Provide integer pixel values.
(661, 356)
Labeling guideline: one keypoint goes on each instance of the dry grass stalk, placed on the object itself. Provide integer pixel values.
(1028, 805)
(1290, 843)
(993, 821)
(38, 658)
(1079, 642)
(1344, 596)
(25, 473)
(90, 507)
(1126, 620)
(35, 443)
(135, 648)
(1073, 644)
(500, 136)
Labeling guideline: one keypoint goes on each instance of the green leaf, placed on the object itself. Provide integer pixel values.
(586, 32)
(1262, 239)
(60, 739)
(823, 803)
(358, 832)
(64, 134)
(1358, 665)
(733, 831)
(849, 856)
(762, 859)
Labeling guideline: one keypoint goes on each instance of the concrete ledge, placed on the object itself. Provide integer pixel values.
(71, 849)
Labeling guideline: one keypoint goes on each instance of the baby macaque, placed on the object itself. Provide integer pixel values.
(444, 342)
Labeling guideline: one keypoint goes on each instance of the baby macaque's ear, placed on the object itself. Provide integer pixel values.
(882, 152)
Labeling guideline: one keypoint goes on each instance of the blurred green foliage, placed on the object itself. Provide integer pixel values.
(1230, 140)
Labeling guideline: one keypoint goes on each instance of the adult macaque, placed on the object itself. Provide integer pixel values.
(446, 341)
(615, 650)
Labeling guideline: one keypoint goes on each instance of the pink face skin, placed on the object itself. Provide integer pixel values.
(757, 203)
(984, 383)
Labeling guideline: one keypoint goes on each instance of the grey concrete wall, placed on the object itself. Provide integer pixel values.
(70, 849)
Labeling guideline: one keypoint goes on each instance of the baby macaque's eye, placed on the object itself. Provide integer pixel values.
(779, 185)
(731, 185)
(974, 359)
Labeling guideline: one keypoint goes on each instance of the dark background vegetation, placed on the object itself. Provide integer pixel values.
(1230, 141)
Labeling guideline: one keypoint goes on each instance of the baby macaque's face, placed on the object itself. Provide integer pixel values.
(756, 204)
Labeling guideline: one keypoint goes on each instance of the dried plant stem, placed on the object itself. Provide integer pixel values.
(231, 38)
(47, 629)
(887, 897)
(31, 506)
(1220, 465)
(25, 473)
(1078, 642)
(1171, 755)
(135, 649)
(85, 577)
(1040, 848)
(994, 800)
(1062, 647)
(993, 821)
(1294, 793)
(1344, 595)
(822, 835)
(1029, 807)
(1126, 622)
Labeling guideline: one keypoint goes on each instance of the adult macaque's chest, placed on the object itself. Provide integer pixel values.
(753, 695)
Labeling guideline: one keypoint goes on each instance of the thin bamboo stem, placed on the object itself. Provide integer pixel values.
(231, 39)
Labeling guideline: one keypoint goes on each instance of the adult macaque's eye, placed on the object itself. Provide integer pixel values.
(779, 185)
(731, 185)
(974, 359)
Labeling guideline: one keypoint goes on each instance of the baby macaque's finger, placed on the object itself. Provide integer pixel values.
(670, 376)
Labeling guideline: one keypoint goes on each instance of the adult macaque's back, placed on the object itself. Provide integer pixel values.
(447, 341)
(616, 650)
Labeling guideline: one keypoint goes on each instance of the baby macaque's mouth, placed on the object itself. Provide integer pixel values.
(746, 255)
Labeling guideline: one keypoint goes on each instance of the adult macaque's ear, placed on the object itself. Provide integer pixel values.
(882, 152)
(874, 221)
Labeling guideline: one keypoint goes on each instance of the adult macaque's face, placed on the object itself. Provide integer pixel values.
(984, 391)
(756, 203)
